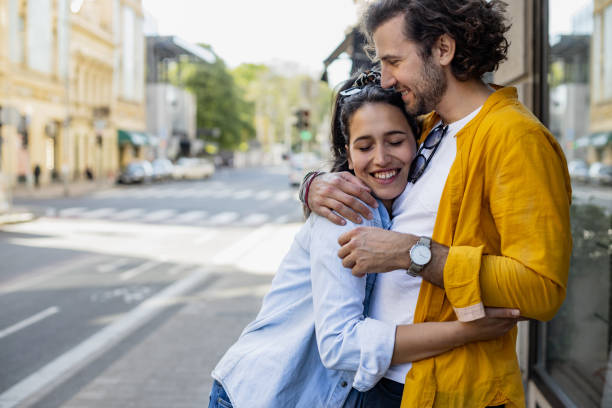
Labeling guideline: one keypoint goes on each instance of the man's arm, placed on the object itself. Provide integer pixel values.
(337, 196)
(529, 203)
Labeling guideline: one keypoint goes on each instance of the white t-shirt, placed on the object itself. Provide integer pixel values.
(395, 293)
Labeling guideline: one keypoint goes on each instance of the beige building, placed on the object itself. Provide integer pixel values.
(71, 76)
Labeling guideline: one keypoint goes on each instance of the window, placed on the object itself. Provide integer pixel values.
(607, 53)
(16, 32)
(573, 350)
(40, 36)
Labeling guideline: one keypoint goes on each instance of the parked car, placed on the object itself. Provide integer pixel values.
(300, 164)
(578, 170)
(136, 172)
(162, 169)
(193, 169)
(600, 173)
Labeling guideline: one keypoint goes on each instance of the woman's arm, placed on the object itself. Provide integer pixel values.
(423, 340)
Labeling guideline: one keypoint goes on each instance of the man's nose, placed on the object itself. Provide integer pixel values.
(386, 79)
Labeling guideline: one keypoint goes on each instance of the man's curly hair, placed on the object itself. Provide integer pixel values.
(477, 26)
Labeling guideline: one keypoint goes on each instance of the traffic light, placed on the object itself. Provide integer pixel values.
(302, 119)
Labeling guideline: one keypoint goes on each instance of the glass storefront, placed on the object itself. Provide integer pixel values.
(572, 352)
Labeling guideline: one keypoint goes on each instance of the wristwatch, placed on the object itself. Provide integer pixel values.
(420, 255)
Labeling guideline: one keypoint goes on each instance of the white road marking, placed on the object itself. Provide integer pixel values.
(283, 195)
(132, 273)
(224, 217)
(99, 213)
(222, 193)
(112, 266)
(71, 212)
(128, 214)
(81, 355)
(263, 195)
(254, 219)
(234, 252)
(178, 269)
(159, 215)
(282, 219)
(190, 216)
(241, 195)
(29, 321)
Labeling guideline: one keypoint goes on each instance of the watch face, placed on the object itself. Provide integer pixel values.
(420, 254)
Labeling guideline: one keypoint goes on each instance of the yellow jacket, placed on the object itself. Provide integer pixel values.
(504, 213)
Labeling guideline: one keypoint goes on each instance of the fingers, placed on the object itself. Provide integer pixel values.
(357, 188)
(330, 215)
(346, 237)
(503, 313)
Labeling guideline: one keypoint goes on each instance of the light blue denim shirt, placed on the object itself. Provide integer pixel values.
(310, 341)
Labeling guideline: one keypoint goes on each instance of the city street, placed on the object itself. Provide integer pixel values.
(129, 296)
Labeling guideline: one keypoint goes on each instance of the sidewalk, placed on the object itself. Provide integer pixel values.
(17, 214)
(58, 190)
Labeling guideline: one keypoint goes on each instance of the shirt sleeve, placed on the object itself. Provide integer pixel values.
(528, 195)
(346, 339)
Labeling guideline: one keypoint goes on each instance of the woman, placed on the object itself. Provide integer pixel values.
(312, 339)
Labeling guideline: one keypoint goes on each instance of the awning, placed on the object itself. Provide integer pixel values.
(134, 138)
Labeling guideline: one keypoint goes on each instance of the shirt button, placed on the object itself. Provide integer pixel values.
(343, 384)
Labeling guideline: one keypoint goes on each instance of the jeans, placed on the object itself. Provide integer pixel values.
(218, 397)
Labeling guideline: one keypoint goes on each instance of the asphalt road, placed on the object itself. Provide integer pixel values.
(129, 296)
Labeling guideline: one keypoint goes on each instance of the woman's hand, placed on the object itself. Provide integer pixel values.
(498, 321)
(340, 192)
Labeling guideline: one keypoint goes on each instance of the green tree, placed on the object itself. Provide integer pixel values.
(220, 102)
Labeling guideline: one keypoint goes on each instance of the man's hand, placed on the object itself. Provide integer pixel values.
(340, 192)
(371, 250)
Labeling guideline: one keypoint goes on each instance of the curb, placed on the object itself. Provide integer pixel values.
(16, 217)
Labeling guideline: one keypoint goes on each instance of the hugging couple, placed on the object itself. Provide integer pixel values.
(444, 221)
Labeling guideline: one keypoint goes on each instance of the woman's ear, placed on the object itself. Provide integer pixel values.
(348, 157)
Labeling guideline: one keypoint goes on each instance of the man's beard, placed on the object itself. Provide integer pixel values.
(431, 88)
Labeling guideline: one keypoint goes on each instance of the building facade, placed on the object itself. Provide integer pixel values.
(71, 76)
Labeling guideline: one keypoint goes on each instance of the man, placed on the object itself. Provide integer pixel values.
(487, 223)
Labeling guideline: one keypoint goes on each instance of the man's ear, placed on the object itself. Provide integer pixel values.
(348, 158)
(444, 49)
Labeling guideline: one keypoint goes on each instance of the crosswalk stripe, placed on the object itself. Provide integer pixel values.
(254, 219)
(224, 217)
(262, 195)
(128, 214)
(72, 211)
(190, 216)
(241, 195)
(98, 213)
(159, 215)
(283, 195)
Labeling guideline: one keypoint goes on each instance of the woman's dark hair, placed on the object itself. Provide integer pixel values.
(346, 106)
(477, 26)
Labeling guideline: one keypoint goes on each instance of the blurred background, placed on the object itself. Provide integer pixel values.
(150, 153)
